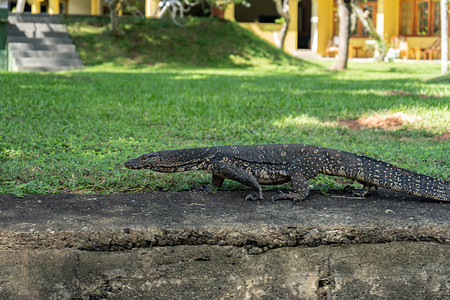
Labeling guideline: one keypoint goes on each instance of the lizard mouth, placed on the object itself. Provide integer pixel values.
(132, 164)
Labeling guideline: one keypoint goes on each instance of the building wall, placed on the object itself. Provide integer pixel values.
(391, 19)
(79, 7)
(266, 31)
(325, 24)
(388, 17)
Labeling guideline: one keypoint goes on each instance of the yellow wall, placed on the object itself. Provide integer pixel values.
(325, 24)
(79, 7)
(421, 42)
(150, 7)
(229, 13)
(35, 6)
(96, 7)
(290, 44)
(53, 7)
(391, 19)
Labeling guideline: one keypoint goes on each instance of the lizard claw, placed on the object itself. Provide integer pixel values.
(253, 197)
(285, 196)
(204, 188)
(359, 193)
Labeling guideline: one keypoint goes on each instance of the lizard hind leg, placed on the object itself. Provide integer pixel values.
(300, 189)
(302, 169)
(365, 190)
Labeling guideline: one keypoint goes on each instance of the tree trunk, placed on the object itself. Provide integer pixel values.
(114, 8)
(444, 37)
(344, 12)
(283, 10)
(368, 25)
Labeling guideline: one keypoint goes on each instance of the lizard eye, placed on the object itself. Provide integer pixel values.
(147, 156)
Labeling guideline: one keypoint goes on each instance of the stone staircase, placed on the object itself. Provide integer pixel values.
(40, 42)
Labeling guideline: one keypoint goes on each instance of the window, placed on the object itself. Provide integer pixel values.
(371, 8)
(406, 20)
(262, 11)
(359, 30)
(420, 17)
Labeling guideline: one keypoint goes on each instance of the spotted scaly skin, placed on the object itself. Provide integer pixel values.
(253, 165)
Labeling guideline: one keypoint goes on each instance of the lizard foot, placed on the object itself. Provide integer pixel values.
(205, 188)
(254, 197)
(359, 193)
(291, 196)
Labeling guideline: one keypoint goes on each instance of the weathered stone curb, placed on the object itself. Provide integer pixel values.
(242, 236)
(219, 246)
(127, 221)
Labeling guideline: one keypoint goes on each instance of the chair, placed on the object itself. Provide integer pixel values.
(370, 48)
(434, 48)
(400, 44)
(332, 47)
(354, 48)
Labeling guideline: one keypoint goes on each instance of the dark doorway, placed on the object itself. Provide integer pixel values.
(304, 24)
(13, 4)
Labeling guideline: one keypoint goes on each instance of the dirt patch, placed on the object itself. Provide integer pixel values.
(443, 137)
(409, 94)
(388, 122)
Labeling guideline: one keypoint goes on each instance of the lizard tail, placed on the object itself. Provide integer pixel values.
(417, 184)
(383, 174)
(406, 181)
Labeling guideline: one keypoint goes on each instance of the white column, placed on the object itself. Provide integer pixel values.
(314, 31)
(380, 18)
(147, 8)
(444, 37)
(19, 6)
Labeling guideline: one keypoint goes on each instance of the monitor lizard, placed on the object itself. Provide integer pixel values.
(253, 165)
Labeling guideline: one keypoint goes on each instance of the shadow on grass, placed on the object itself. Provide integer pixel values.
(445, 79)
(246, 98)
(74, 130)
(204, 42)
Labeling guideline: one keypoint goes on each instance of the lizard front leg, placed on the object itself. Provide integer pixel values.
(224, 170)
(216, 181)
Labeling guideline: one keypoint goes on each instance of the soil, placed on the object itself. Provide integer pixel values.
(388, 122)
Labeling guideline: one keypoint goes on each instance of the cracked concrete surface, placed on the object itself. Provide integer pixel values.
(190, 245)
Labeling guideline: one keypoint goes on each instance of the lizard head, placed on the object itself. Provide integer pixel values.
(162, 161)
(145, 161)
(170, 161)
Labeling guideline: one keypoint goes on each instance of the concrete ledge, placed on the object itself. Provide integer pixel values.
(404, 270)
(191, 245)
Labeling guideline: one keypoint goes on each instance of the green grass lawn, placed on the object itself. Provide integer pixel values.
(72, 132)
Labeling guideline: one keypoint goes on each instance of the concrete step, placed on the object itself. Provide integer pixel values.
(28, 46)
(40, 27)
(46, 68)
(35, 62)
(46, 64)
(34, 18)
(39, 41)
(45, 54)
(36, 34)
